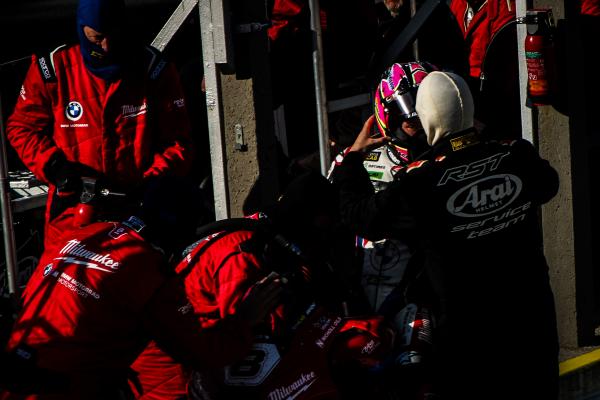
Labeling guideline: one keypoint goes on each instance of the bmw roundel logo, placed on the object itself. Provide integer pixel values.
(74, 110)
(47, 269)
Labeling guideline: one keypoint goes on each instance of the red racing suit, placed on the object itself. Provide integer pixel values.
(94, 302)
(286, 16)
(217, 275)
(157, 376)
(126, 130)
(487, 19)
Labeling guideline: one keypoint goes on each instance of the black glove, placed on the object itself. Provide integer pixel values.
(66, 175)
(63, 174)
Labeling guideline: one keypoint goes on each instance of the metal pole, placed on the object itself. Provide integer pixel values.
(7, 221)
(526, 113)
(214, 109)
(171, 27)
(319, 77)
(415, 46)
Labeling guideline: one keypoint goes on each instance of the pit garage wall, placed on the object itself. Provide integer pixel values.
(558, 220)
(252, 158)
(567, 219)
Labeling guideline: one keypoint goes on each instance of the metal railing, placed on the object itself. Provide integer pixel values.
(8, 234)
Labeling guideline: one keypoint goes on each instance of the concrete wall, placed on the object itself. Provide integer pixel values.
(252, 172)
(554, 144)
(242, 166)
(567, 221)
(557, 216)
(559, 242)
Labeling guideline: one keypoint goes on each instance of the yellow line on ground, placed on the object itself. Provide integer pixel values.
(581, 361)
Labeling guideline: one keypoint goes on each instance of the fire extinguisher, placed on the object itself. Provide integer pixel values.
(539, 54)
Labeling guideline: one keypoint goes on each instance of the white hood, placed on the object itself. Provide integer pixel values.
(444, 104)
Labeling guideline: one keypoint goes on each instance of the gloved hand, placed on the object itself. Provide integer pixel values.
(66, 175)
(261, 299)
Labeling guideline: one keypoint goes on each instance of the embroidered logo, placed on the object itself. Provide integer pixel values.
(44, 67)
(75, 248)
(294, 389)
(47, 269)
(130, 111)
(74, 111)
(485, 196)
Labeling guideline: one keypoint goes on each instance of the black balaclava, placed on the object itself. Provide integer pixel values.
(104, 16)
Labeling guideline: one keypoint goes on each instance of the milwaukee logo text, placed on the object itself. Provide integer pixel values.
(74, 248)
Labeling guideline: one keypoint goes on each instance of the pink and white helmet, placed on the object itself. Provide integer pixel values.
(396, 94)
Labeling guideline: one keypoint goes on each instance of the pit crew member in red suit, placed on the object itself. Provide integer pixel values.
(95, 301)
(107, 107)
(479, 21)
(222, 266)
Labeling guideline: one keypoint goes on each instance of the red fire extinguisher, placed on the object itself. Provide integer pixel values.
(539, 54)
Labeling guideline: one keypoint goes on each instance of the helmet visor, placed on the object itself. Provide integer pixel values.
(404, 103)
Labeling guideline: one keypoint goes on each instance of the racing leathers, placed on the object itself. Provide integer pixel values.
(91, 307)
(384, 261)
(122, 131)
(474, 204)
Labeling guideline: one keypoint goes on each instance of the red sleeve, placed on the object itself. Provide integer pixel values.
(237, 273)
(284, 15)
(174, 151)
(234, 279)
(501, 13)
(590, 7)
(173, 324)
(30, 127)
(458, 9)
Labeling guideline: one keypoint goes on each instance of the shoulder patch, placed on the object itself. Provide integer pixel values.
(45, 63)
(464, 141)
(156, 63)
(415, 165)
